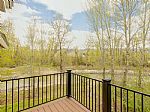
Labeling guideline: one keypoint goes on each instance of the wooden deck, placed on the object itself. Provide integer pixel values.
(61, 105)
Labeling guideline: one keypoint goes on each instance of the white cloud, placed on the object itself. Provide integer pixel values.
(65, 7)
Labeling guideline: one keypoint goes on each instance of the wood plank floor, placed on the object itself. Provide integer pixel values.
(60, 105)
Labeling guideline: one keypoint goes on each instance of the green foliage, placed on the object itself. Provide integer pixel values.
(6, 58)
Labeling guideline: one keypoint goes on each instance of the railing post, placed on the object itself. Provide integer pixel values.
(106, 95)
(68, 83)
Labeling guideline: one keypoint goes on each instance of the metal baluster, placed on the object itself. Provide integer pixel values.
(142, 103)
(134, 102)
(57, 85)
(46, 88)
(33, 89)
(63, 85)
(38, 91)
(95, 95)
(89, 94)
(99, 96)
(29, 94)
(60, 85)
(92, 96)
(127, 100)
(23, 93)
(115, 99)
(42, 89)
(66, 84)
(50, 87)
(12, 93)
(18, 94)
(79, 90)
(77, 87)
(86, 92)
(120, 99)
(54, 88)
(73, 85)
(6, 97)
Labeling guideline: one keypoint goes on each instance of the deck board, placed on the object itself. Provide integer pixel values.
(60, 105)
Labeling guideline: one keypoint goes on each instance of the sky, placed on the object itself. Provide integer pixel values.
(73, 10)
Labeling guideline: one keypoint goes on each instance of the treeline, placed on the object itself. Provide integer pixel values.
(42, 48)
(122, 27)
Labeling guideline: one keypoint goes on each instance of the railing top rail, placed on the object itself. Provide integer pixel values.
(148, 95)
(130, 90)
(31, 77)
(87, 77)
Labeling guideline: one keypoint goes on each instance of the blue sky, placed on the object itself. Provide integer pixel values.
(80, 22)
(73, 10)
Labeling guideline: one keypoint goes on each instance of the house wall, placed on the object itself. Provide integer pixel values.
(5, 4)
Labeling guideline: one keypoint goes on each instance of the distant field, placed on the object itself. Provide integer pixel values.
(24, 71)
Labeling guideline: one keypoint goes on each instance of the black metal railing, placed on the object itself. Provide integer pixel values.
(97, 96)
(24, 93)
(87, 91)
(102, 96)
(128, 100)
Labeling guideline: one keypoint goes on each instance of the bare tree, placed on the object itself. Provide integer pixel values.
(61, 28)
(127, 10)
(145, 25)
(95, 16)
(31, 38)
(52, 48)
